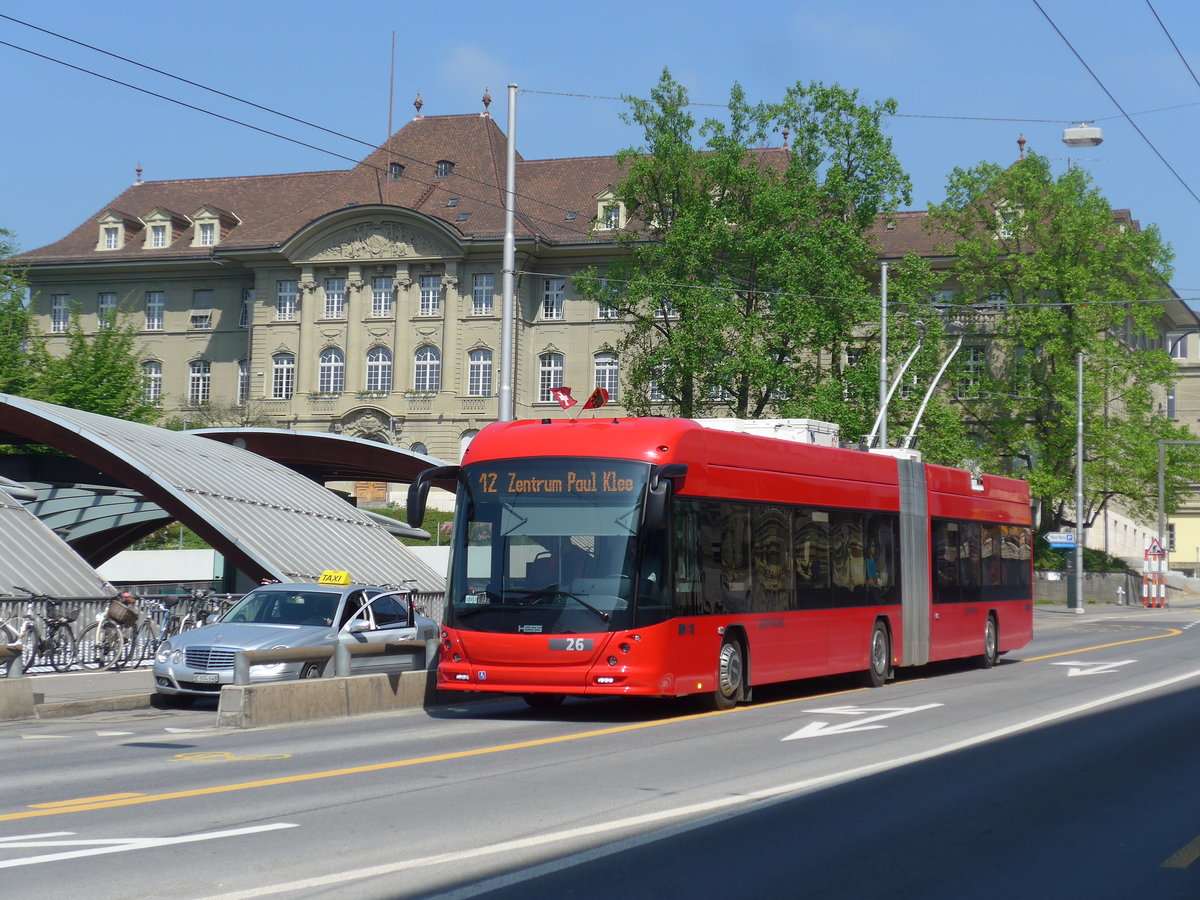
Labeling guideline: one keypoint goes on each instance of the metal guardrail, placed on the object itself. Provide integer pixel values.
(340, 656)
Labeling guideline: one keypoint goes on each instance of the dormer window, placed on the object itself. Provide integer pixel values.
(212, 225)
(444, 168)
(610, 212)
(395, 171)
(158, 236)
(163, 227)
(112, 237)
(116, 229)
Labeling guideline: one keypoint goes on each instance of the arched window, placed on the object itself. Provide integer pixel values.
(283, 376)
(427, 371)
(419, 448)
(607, 372)
(199, 381)
(550, 375)
(331, 372)
(152, 381)
(479, 373)
(379, 370)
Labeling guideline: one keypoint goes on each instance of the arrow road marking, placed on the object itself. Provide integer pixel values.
(96, 847)
(1092, 668)
(823, 729)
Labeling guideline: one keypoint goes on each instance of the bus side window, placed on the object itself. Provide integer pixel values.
(810, 558)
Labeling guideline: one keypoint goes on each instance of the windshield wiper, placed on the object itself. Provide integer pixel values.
(559, 592)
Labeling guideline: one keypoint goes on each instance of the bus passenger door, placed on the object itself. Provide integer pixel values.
(946, 627)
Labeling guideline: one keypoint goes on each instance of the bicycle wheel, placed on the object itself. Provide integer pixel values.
(145, 641)
(101, 645)
(62, 649)
(27, 637)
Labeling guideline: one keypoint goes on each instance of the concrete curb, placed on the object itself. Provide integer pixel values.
(253, 705)
(61, 709)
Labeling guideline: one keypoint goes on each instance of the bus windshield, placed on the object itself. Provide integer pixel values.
(548, 545)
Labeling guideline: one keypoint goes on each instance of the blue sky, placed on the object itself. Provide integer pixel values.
(969, 77)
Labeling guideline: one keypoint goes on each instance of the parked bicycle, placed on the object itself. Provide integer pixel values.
(44, 637)
(123, 635)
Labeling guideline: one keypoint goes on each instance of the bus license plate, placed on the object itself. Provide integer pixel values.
(570, 643)
(206, 678)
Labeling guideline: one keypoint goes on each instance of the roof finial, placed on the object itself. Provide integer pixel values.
(487, 102)
(1021, 145)
(138, 170)
(785, 138)
(418, 103)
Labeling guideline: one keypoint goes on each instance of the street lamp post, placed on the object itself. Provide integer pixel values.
(1075, 596)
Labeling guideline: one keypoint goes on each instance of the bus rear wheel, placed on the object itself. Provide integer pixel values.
(880, 664)
(731, 675)
(991, 644)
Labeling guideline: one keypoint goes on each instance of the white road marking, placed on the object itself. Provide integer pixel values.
(113, 733)
(100, 846)
(717, 808)
(1093, 668)
(823, 729)
(44, 737)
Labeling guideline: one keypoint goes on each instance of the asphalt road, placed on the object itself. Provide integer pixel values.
(1066, 771)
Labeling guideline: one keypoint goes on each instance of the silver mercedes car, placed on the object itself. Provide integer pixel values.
(198, 662)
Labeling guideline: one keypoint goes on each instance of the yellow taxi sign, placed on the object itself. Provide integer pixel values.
(332, 576)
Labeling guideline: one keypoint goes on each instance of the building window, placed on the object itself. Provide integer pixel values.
(553, 290)
(381, 296)
(158, 236)
(112, 237)
(395, 171)
(199, 381)
(155, 304)
(612, 217)
(247, 306)
(243, 382)
(444, 168)
(419, 448)
(605, 311)
(208, 234)
(152, 381)
(667, 310)
(331, 372)
(202, 314)
(379, 370)
(1177, 345)
(431, 295)
(283, 376)
(285, 301)
(335, 298)
(974, 366)
(427, 372)
(655, 391)
(550, 375)
(1171, 404)
(483, 294)
(60, 312)
(607, 371)
(479, 373)
(106, 309)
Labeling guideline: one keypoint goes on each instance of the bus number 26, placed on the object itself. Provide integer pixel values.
(570, 643)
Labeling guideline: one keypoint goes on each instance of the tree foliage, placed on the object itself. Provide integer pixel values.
(745, 272)
(21, 350)
(1046, 271)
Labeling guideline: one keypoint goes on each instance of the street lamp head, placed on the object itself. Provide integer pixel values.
(1083, 135)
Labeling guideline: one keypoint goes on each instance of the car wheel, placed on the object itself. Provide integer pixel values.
(311, 670)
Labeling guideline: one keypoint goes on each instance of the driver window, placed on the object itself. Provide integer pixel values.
(390, 612)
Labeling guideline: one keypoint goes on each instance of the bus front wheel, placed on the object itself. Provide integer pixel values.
(991, 644)
(880, 664)
(731, 675)
(543, 701)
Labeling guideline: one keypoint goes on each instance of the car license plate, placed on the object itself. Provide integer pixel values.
(206, 678)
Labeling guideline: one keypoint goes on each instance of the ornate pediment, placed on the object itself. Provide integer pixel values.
(378, 240)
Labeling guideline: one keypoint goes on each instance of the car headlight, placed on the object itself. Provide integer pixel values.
(164, 651)
(269, 668)
(177, 656)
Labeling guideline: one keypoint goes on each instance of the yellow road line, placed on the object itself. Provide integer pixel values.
(76, 802)
(1183, 857)
(1171, 632)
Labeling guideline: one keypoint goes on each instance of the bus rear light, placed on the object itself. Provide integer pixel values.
(612, 660)
(446, 642)
(457, 658)
(625, 648)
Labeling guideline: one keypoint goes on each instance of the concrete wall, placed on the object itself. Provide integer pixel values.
(248, 706)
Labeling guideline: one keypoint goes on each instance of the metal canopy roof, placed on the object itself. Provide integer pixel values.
(265, 518)
(35, 557)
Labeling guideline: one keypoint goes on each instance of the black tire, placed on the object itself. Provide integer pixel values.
(101, 645)
(991, 644)
(879, 666)
(27, 637)
(310, 670)
(731, 675)
(62, 655)
(544, 701)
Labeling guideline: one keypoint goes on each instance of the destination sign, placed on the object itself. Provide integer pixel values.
(569, 481)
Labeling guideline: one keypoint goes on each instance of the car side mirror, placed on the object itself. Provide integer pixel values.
(358, 626)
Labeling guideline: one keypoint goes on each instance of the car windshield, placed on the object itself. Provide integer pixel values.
(285, 608)
(547, 545)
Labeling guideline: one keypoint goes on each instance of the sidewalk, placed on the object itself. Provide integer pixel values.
(77, 693)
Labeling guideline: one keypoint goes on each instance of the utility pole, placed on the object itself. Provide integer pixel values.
(505, 407)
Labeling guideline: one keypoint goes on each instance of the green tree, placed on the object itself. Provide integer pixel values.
(746, 271)
(22, 355)
(1046, 271)
(99, 373)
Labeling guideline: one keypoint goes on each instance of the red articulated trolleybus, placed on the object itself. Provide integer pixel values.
(664, 557)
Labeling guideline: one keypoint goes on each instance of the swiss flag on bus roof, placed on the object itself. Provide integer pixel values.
(563, 396)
